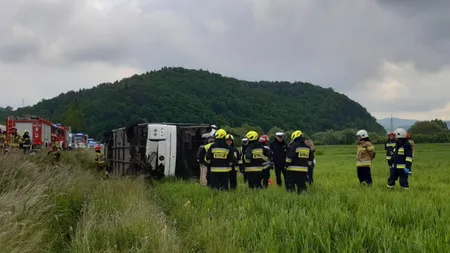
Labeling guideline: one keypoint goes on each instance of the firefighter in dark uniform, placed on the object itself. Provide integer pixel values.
(235, 166)
(25, 141)
(255, 156)
(389, 147)
(220, 158)
(204, 167)
(264, 140)
(279, 148)
(402, 160)
(310, 178)
(241, 161)
(298, 158)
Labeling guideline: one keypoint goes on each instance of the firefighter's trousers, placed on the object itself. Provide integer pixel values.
(233, 178)
(395, 174)
(310, 177)
(208, 176)
(254, 179)
(364, 175)
(266, 176)
(203, 173)
(279, 169)
(296, 179)
(219, 180)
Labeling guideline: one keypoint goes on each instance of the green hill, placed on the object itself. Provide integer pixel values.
(198, 96)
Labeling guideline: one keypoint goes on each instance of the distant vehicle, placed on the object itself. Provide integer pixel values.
(156, 149)
(39, 128)
(91, 143)
(80, 140)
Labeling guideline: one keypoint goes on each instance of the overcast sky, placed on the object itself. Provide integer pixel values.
(392, 56)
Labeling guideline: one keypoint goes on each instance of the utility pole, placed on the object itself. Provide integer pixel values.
(23, 102)
(392, 123)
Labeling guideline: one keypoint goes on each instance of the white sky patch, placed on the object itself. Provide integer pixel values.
(442, 113)
(397, 82)
(216, 25)
(54, 81)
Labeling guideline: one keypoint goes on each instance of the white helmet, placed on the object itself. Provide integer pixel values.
(400, 133)
(279, 134)
(361, 134)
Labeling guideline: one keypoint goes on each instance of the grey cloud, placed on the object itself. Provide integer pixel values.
(337, 44)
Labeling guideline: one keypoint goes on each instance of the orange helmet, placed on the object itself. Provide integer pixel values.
(54, 136)
(408, 136)
(97, 148)
(391, 133)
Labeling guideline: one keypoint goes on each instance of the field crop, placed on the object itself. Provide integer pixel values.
(70, 208)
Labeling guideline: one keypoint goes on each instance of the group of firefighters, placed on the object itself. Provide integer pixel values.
(399, 155)
(220, 160)
(16, 142)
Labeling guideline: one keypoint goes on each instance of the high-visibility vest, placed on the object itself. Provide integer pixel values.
(207, 146)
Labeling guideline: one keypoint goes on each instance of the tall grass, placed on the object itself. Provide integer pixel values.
(69, 208)
(121, 218)
(336, 215)
(39, 202)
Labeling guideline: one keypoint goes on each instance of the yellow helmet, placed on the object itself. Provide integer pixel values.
(25, 132)
(296, 134)
(230, 137)
(220, 134)
(252, 136)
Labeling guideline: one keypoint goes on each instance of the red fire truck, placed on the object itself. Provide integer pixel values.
(39, 128)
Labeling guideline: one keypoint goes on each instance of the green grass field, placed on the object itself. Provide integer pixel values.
(71, 209)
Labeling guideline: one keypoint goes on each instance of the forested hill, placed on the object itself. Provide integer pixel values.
(197, 96)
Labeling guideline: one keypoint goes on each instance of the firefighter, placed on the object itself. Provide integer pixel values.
(13, 139)
(25, 141)
(234, 167)
(241, 161)
(365, 155)
(298, 159)
(3, 142)
(413, 145)
(310, 178)
(100, 160)
(204, 172)
(402, 160)
(56, 148)
(264, 140)
(220, 158)
(279, 148)
(255, 156)
(389, 147)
